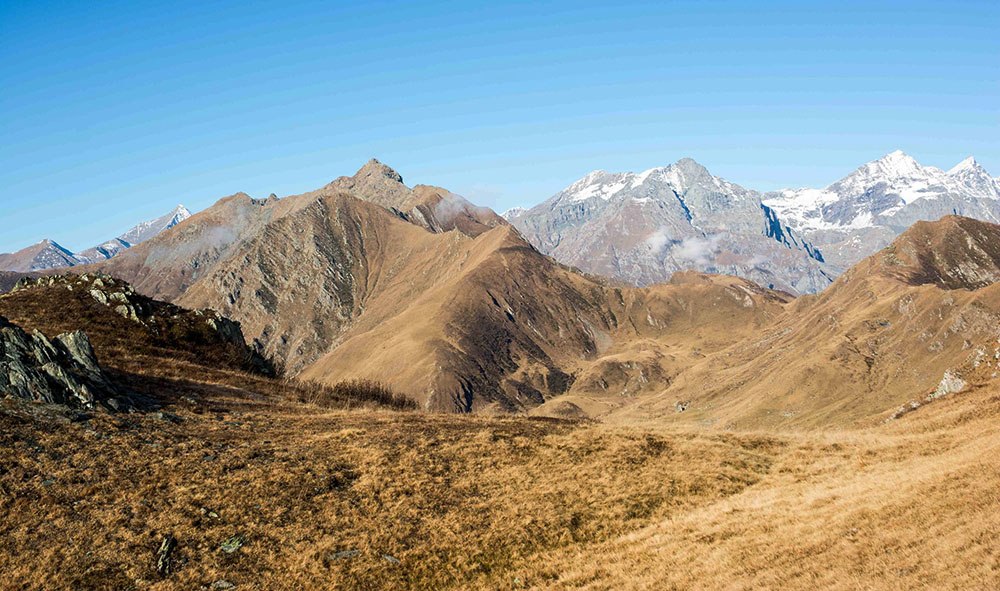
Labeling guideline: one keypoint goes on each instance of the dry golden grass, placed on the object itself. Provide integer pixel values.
(459, 501)
(492, 503)
(910, 505)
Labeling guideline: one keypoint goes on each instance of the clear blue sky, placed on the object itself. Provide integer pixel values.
(114, 112)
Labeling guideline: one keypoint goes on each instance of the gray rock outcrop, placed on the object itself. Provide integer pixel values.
(63, 370)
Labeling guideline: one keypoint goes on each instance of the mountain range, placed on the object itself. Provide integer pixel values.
(48, 254)
(449, 304)
(262, 425)
(643, 227)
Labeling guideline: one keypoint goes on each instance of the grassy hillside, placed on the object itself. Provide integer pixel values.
(374, 499)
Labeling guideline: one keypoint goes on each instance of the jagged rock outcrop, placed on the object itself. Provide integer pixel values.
(433, 208)
(142, 320)
(62, 370)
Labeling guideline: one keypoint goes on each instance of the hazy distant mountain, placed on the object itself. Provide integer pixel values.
(868, 208)
(37, 257)
(136, 235)
(50, 255)
(512, 213)
(643, 227)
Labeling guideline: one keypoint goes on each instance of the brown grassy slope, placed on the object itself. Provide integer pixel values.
(331, 500)
(472, 323)
(176, 356)
(877, 338)
(177, 334)
(665, 329)
(459, 502)
(914, 504)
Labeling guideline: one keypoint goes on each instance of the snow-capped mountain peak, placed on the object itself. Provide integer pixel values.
(885, 196)
(134, 236)
(512, 213)
(680, 176)
(967, 164)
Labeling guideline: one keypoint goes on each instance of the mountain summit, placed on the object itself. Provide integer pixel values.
(137, 235)
(865, 210)
(642, 227)
(47, 254)
(50, 255)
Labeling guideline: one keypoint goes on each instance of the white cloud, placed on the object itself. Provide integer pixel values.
(657, 240)
(696, 249)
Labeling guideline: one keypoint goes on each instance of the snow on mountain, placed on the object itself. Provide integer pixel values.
(147, 230)
(137, 235)
(866, 209)
(883, 188)
(50, 255)
(641, 227)
(47, 254)
(512, 213)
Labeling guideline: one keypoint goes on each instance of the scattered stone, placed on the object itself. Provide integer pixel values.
(166, 417)
(99, 296)
(345, 554)
(950, 383)
(48, 482)
(163, 563)
(391, 559)
(223, 584)
(233, 544)
(681, 406)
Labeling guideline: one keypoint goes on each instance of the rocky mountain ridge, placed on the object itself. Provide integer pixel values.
(48, 254)
(643, 227)
(862, 212)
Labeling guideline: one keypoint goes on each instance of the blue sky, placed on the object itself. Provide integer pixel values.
(115, 113)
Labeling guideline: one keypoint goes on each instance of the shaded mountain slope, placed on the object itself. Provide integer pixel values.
(37, 257)
(494, 326)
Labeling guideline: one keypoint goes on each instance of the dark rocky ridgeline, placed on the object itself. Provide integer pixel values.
(63, 370)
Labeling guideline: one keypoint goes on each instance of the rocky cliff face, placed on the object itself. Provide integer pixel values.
(62, 370)
(643, 227)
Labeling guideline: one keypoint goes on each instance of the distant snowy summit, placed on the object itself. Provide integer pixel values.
(48, 254)
(866, 209)
(512, 213)
(641, 227)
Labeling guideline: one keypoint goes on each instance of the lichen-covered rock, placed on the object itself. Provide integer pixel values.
(59, 371)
